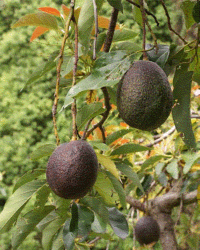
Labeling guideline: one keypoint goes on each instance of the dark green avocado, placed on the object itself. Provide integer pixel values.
(147, 230)
(144, 96)
(72, 169)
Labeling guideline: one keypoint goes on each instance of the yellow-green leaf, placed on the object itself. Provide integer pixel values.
(37, 19)
(108, 164)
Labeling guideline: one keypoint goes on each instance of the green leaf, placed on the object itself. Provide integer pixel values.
(48, 219)
(125, 169)
(97, 206)
(58, 243)
(108, 164)
(74, 220)
(137, 13)
(87, 112)
(128, 46)
(37, 19)
(124, 35)
(190, 159)
(116, 4)
(129, 148)
(181, 109)
(16, 203)
(116, 135)
(187, 7)
(67, 66)
(85, 220)
(29, 176)
(105, 188)
(99, 145)
(42, 196)
(159, 168)
(42, 151)
(118, 222)
(151, 161)
(27, 223)
(50, 231)
(172, 169)
(98, 225)
(118, 188)
(196, 12)
(86, 21)
(162, 179)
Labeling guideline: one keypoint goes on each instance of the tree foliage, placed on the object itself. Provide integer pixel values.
(78, 53)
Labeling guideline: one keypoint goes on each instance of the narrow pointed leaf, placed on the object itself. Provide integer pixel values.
(187, 7)
(85, 220)
(38, 32)
(129, 148)
(108, 164)
(26, 224)
(181, 109)
(116, 135)
(42, 151)
(190, 159)
(37, 19)
(98, 225)
(151, 161)
(74, 220)
(118, 222)
(50, 10)
(16, 203)
(58, 243)
(68, 236)
(116, 4)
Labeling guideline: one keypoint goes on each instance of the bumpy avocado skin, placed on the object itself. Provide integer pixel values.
(144, 96)
(72, 169)
(147, 230)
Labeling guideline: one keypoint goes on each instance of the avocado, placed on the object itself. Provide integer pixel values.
(72, 169)
(147, 230)
(144, 96)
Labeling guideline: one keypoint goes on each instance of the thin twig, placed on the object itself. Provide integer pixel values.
(96, 29)
(153, 35)
(169, 22)
(147, 12)
(60, 61)
(145, 57)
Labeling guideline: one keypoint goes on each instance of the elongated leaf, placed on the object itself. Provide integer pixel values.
(85, 220)
(50, 231)
(26, 224)
(116, 4)
(118, 188)
(74, 220)
(29, 176)
(151, 161)
(87, 112)
(37, 19)
(42, 151)
(108, 164)
(124, 35)
(86, 21)
(50, 10)
(172, 169)
(38, 32)
(16, 203)
(105, 188)
(181, 110)
(190, 159)
(100, 145)
(129, 148)
(118, 222)
(58, 243)
(187, 7)
(116, 135)
(98, 225)
(125, 169)
(46, 220)
(68, 237)
(97, 206)
(42, 196)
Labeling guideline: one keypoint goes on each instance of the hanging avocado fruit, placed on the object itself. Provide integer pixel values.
(144, 96)
(72, 169)
(147, 230)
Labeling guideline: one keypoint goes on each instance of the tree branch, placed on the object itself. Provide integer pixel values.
(135, 203)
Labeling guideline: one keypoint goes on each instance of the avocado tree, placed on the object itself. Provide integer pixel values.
(145, 169)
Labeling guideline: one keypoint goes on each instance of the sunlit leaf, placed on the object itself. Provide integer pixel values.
(99, 145)
(27, 223)
(190, 159)
(42, 151)
(181, 109)
(129, 148)
(116, 4)
(151, 161)
(16, 203)
(66, 12)
(98, 225)
(124, 35)
(108, 164)
(50, 10)
(172, 169)
(116, 135)
(58, 243)
(38, 32)
(37, 19)
(118, 222)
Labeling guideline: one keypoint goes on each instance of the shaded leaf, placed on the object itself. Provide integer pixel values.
(172, 169)
(108, 164)
(116, 135)
(16, 203)
(181, 109)
(98, 225)
(116, 4)
(100, 145)
(74, 220)
(58, 243)
(37, 19)
(118, 188)
(27, 223)
(150, 161)
(190, 159)
(128, 171)
(42, 196)
(42, 151)
(129, 148)
(124, 35)
(118, 222)
(162, 179)
(38, 32)
(187, 7)
(87, 112)
(85, 220)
